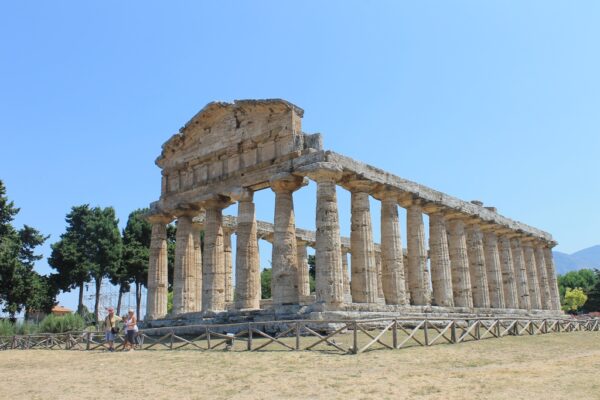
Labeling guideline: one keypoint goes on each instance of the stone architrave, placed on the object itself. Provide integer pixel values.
(479, 282)
(532, 278)
(284, 278)
(228, 261)
(247, 266)
(459, 262)
(493, 269)
(417, 273)
(544, 288)
(520, 273)
(184, 274)
(196, 232)
(303, 278)
(156, 301)
(551, 275)
(213, 283)
(509, 283)
(364, 265)
(328, 246)
(441, 277)
(391, 252)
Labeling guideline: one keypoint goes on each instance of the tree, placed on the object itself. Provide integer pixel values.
(136, 251)
(90, 248)
(21, 287)
(574, 299)
(265, 283)
(593, 302)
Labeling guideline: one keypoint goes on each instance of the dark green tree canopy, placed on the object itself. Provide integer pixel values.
(21, 287)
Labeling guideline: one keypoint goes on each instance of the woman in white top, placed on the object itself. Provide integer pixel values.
(131, 329)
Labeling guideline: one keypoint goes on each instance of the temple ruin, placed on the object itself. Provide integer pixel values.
(476, 261)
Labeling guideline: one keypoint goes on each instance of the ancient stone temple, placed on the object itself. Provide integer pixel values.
(475, 261)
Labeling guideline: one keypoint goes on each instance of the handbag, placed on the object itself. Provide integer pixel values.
(113, 329)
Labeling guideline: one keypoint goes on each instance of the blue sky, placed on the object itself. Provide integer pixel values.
(496, 101)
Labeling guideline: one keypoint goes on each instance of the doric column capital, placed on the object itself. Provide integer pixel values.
(360, 186)
(321, 172)
(160, 218)
(285, 182)
(217, 201)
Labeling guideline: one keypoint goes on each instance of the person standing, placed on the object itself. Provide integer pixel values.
(110, 328)
(132, 329)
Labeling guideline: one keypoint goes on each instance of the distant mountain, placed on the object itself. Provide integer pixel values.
(586, 258)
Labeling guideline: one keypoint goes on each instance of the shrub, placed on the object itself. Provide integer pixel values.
(64, 323)
(6, 328)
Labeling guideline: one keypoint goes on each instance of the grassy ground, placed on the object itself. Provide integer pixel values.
(553, 366)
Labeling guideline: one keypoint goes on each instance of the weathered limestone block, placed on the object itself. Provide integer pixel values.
(551, 275)
(184, 274)
(391, 253)
(347, 291)
(521, 273)
(441, 277)
(247, 266)
(228, 261)
(479, 282)
(284, 278)
(418, 275)
(493, 270)
(532, 278)
(328, 246)
(459, 261)
(303, 278)
(364, 265)
(509, 283)
(156, 302)
(196, 233)
(213, 284)
(544, 288)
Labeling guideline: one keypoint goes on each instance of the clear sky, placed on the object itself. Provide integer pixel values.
(496, 101)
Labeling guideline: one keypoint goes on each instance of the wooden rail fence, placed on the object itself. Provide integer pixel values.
(337, 336)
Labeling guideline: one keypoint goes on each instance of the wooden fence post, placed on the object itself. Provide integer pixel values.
(355, 338)
(297, 335)
(425, 332)
(249, 347)
(395, 334)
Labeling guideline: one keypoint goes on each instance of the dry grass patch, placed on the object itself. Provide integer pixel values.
(553, 366)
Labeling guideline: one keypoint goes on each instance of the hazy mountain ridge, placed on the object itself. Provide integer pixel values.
(586, 258)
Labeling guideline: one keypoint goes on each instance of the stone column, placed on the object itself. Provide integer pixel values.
(303, 278)
(228, 261)
(391, 252)
(441, 278)
(532, 278)
(158, 283)
(347, 291)
(328, 245)
(364, 265)
(551, 275)
(378, 268)
(213, 284)
(520, 273)
(459, 262)
(247, 266)
(184, 274)
(493, 269)
(196, 233)
(509, 283)
(284, 278)
(416, 272)
(477, 269)
(544, 288)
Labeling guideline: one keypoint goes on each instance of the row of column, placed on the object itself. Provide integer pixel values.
(471, 264)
